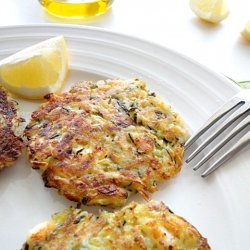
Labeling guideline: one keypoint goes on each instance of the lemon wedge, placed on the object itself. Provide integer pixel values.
(246, 31)
(36, 70)
(213, 11)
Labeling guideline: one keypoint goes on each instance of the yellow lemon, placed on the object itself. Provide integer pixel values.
(213, 11)
(246, 31)
(36, 70)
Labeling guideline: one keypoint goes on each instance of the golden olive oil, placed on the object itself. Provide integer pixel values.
(76, 9)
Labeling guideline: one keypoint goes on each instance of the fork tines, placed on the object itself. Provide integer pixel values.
(239, 105)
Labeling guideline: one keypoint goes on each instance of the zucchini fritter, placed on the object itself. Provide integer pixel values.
(136, 226)
(101, 142)
(11, 143)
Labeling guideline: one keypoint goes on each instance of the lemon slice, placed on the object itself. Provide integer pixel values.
(36, 70)
(213, 11)
(246, 31)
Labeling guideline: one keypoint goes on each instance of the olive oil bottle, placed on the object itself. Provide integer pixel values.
(76, 9)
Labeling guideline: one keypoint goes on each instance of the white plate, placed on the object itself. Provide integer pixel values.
(218, 206)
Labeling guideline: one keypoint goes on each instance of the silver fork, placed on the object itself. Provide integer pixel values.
(239, 105)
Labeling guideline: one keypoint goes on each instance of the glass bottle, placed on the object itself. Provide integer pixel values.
(76, 9)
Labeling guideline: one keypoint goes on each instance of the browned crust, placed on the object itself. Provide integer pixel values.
(11, 144)
(98, 143)
(137, 226)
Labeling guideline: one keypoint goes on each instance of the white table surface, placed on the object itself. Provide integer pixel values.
(166, 22)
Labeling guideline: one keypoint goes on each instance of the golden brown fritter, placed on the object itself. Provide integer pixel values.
(136, 226)
(11, 143)
(101, 142)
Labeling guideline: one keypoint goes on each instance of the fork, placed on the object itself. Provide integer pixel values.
(239, 105)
